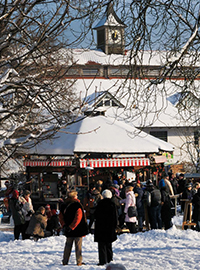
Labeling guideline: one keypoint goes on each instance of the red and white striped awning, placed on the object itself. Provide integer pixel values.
(114, 162)
(45, 163)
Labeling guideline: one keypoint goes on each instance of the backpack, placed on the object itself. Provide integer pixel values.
(155, 197)
(147, 197)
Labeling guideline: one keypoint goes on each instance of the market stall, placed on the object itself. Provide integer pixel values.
(98, 143)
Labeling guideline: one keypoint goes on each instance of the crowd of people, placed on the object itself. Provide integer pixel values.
(104, 212)
(27, 222)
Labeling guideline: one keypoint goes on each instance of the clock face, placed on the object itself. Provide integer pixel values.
(114, 36)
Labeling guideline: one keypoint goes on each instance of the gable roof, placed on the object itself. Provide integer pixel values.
(95, 98)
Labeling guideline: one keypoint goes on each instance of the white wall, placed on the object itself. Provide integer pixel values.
(183, 141)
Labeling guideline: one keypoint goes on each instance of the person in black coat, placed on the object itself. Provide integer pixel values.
(105, 227)
(174, 182)
(181, 183)
(187, 195)
(154, 210)
(53, 224)
(166, 207)
(196, 210)
(139, 192)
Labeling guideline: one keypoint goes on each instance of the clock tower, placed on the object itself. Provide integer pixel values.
(110, 32)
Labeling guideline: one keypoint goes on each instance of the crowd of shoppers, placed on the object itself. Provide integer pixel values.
(104, 212)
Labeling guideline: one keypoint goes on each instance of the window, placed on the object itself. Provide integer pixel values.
(115, 72)
(101, 37)
(105, 72)
(107, 102)
(104, 103)
(121, 71)
(90, 72)
(125, 71)
(72, 72)
(160, 135)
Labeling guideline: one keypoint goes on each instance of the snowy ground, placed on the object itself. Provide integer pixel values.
(156, 249)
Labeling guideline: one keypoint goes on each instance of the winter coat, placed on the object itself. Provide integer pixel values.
(70, 209)
(129, 201)
(196, 203)
(90, 201)
(166, 205)
(16, 210)
(105, 221)
(116, 201)
(12, 193)
(139, 201)
(27, 208)
(53, 224)
(181, 185)
(187, 195)
(155, 197)
(37, 225)
(169, 187)
(174, 184)
(96, 195)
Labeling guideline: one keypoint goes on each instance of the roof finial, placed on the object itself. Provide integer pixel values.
(109, 7)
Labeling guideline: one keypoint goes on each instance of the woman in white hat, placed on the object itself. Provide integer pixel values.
(105, 227)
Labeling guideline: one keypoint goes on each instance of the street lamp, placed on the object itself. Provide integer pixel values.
(88, 168)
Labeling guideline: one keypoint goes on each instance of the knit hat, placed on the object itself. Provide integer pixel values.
(47, 207)
(107, 194)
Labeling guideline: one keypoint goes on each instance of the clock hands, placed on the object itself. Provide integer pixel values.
(115, 35)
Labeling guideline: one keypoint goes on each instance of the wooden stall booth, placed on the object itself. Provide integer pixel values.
(49, 178)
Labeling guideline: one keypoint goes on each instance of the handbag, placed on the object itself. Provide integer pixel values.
(132, 211)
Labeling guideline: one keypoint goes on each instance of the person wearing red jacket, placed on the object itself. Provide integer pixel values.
(15, 207)
(75, 226)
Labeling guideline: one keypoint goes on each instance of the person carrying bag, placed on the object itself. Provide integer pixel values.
(130, 209)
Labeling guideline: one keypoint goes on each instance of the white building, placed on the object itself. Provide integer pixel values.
(109, 81)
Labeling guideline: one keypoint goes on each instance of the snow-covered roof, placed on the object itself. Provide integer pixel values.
(159, 111)
(144, 58)
(101, 135)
